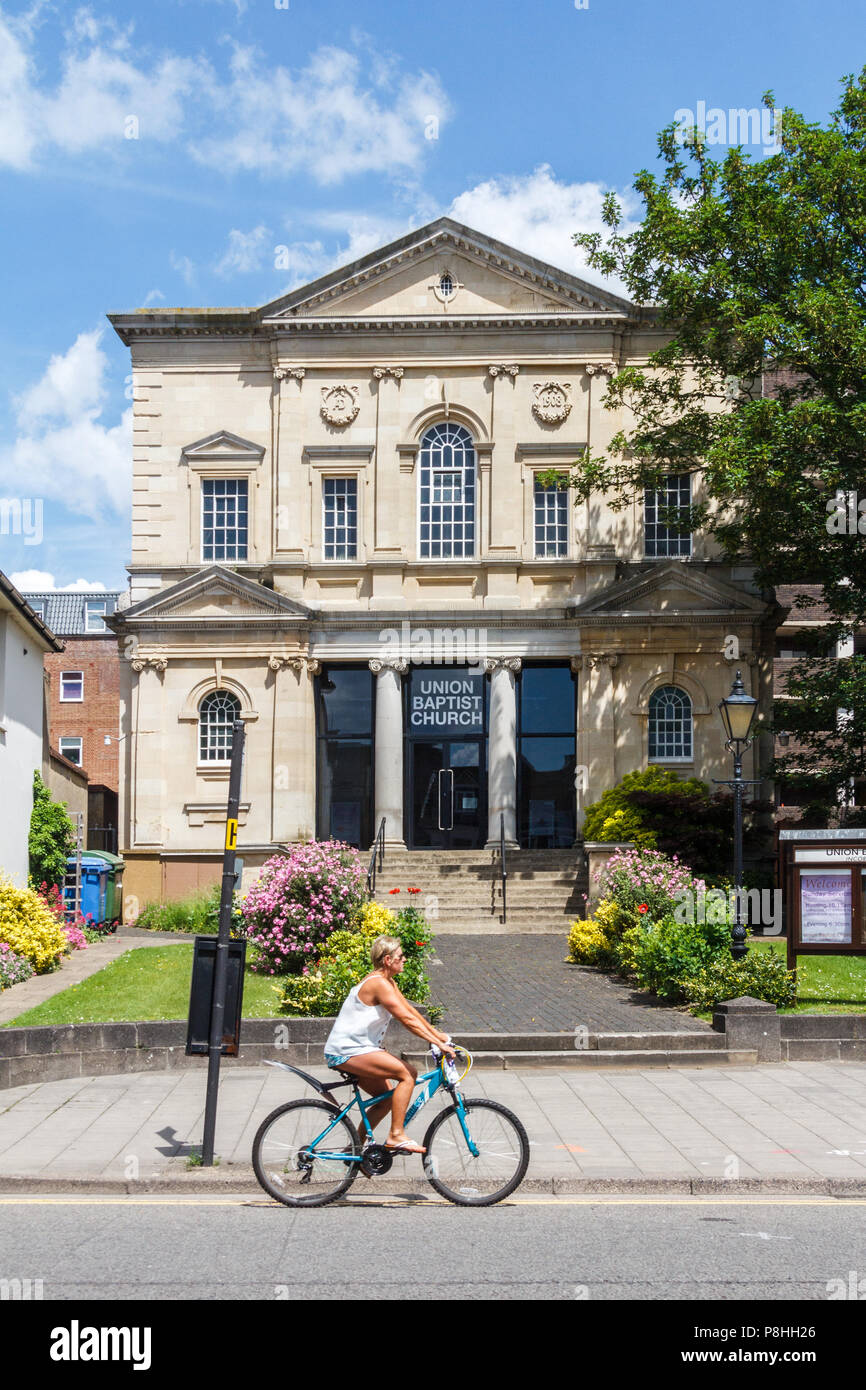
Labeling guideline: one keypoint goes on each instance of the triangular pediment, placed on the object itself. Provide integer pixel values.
(223, 445)
(488, 278)
(217, 595)
(671, 590)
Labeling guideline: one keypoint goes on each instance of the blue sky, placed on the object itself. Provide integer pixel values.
(160, 153)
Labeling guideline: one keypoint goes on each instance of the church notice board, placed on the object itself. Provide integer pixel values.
(824, 887)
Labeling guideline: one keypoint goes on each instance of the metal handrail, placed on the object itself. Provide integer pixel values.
(502, 867)
(378, 847)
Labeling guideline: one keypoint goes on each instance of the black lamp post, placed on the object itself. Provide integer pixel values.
(738, 713)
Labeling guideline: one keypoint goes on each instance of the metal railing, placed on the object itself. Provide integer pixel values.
(378, 850)
(502, 867)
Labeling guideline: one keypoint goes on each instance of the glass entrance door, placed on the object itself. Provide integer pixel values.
(448, 794)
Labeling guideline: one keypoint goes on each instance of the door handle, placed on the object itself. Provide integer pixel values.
(446, 797)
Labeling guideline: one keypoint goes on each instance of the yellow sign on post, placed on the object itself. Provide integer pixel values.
(231, 834)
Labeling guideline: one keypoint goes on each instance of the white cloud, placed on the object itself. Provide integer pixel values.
(99, 89)
(183, 265)
(538, 214)
(340, 115)
(152, 296)
(331, 120)
(64, 449)
(35, 581)
(245, 251)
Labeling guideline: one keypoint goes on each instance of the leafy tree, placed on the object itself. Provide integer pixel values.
(756, 270)
(52, 837)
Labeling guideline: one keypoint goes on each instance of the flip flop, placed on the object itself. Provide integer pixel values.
(406, 1146)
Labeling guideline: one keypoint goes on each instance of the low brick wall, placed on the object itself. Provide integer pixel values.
(823, 1037)
(779, 1037)
(93, 1049)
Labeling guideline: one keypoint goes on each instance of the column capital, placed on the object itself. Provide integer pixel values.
(280, 373)
(379, 372)
(394, 663)
(503, 369)
(596, 659)
(577, 664)
(295, 663)
(507, 663)
(155, 663)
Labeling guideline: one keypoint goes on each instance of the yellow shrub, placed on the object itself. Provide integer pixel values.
(587, 942)
(376, 920)
(29, 928)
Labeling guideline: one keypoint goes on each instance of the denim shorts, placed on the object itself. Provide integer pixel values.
(335, 1059)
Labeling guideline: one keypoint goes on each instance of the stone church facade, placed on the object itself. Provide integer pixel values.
(338, 536)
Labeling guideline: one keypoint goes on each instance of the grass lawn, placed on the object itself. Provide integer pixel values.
(827, 984)
(149, 982)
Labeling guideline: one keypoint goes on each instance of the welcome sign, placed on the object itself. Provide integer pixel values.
(446, 701)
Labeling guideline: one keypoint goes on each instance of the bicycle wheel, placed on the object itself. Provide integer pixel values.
(284, 1168)
(503, 1154)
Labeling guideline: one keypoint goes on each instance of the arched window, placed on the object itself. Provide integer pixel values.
(670, 724)
(216, 714)
(447, 503)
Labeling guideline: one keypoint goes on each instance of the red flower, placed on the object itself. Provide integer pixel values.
(642, 907)
(393, 890)
(413, 890)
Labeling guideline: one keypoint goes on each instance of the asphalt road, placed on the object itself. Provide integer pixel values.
(538, 1248)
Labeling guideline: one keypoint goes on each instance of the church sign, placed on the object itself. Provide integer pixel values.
(824, 885)
(446, 701)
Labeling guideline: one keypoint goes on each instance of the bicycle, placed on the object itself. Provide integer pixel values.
(477, 1150)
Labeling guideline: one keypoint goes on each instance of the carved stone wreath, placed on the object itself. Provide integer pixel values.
(339, 404)
(552, 404)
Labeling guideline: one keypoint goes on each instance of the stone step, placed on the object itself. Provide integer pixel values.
(590, 1060)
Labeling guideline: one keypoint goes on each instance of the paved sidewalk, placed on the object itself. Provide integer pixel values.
(78, 967)
(797, 1125)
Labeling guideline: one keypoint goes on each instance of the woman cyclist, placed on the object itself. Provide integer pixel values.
(354, 1043)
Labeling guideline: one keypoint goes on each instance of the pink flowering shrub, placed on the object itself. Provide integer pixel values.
(297, 902)
(14, 969)
(75, 936)
(645, 883)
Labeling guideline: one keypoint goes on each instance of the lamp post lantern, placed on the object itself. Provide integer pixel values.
(738, 713)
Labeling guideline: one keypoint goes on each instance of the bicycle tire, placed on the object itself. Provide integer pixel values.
(448, 1164)
(274, 1143)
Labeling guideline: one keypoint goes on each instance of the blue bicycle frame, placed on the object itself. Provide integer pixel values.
(430, 1083)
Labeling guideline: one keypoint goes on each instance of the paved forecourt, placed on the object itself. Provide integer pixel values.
(796, 1124)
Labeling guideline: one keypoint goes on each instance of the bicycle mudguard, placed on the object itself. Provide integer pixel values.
(305, 1075)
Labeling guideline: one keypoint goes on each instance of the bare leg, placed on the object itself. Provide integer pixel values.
(374, 1070)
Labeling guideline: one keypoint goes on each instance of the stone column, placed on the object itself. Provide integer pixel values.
(149, 788)
(293, 797)
(502, 750)
(388, 771)
(596, 744)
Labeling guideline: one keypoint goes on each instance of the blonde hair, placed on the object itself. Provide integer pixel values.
(383, 946)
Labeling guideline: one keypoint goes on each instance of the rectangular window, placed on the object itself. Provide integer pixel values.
(94, 611)
(661, 538)
(340, 518)
(71, 748)
(551, 520)
(224, 519)
(38, 606)
(72, 685)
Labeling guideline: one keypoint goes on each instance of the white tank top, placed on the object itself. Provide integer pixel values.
(358, 1027)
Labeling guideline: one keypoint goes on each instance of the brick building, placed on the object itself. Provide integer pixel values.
(83, 697)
